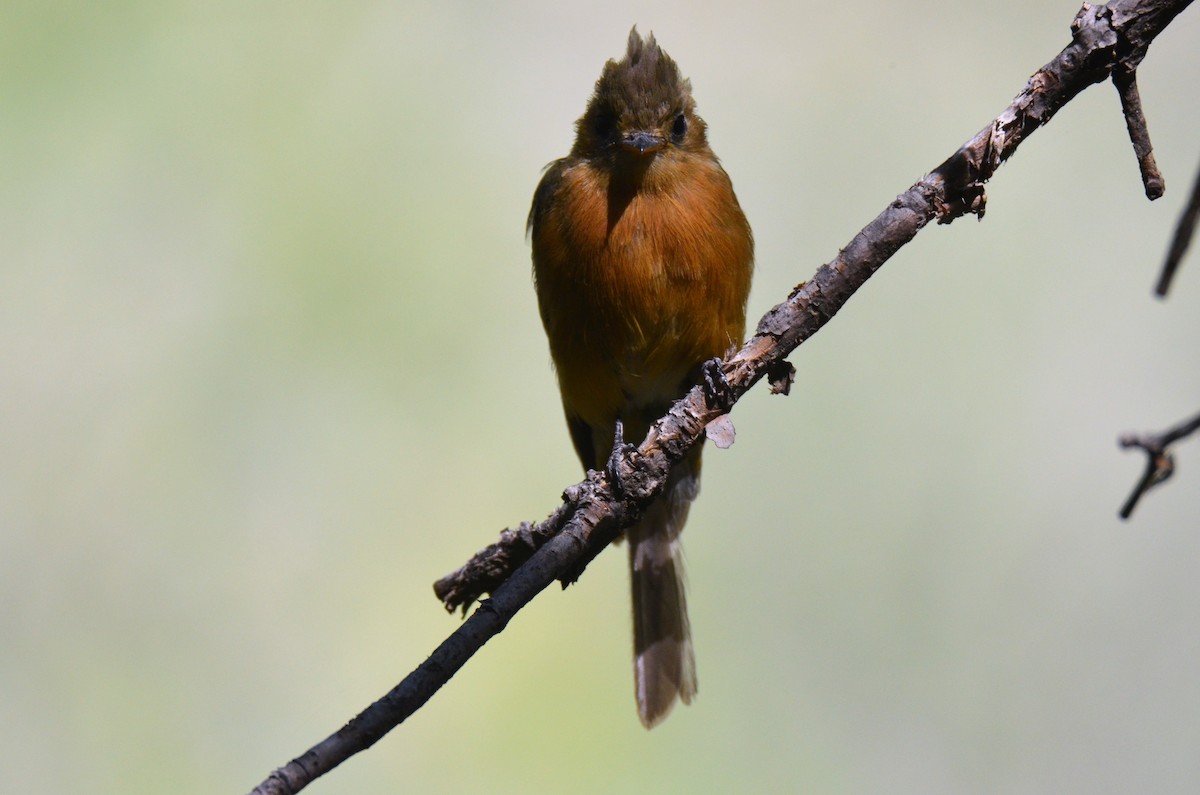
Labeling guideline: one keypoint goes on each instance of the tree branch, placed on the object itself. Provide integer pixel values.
(1181, 240)
(1139, 134)
(1160, 464)
(594, 511)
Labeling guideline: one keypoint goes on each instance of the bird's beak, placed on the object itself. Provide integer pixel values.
(642, 143)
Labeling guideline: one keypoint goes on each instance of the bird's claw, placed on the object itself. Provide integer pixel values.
(620, 450)
(716, 385)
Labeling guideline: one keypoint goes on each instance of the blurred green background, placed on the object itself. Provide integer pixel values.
(271, 364)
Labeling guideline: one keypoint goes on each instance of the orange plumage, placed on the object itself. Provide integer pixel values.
(642, 261)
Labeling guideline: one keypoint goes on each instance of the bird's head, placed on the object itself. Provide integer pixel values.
(642, 106)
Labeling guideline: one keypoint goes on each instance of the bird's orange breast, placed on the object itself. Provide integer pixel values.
(638, 284)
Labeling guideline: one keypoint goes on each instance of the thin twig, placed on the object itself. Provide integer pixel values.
(1160, 464)
(1139, 134)
(599, 511)
(492, 565)
(1181, 240)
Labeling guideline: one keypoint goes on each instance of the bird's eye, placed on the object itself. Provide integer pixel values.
(679, 128)
(604, 124)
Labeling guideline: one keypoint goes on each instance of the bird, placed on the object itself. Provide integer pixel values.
(642, 263)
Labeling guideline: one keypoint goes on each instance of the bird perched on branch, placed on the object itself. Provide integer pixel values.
(642, 261)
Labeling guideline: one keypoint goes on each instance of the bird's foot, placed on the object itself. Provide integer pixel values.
(620, 451)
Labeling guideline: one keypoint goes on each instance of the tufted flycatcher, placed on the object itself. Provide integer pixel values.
(642, 261)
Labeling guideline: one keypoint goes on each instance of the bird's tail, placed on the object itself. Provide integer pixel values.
(664, 663)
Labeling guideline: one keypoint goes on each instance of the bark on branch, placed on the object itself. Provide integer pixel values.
(594, 511)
